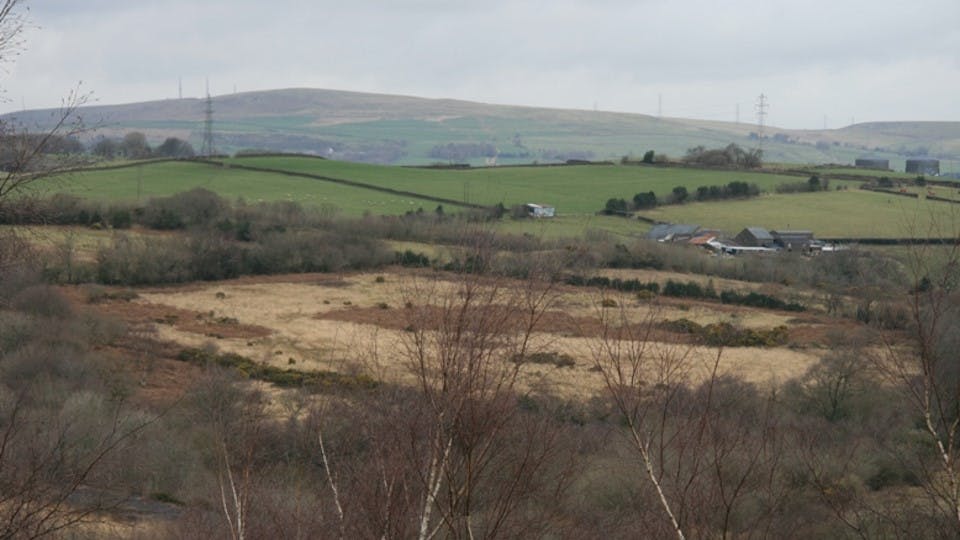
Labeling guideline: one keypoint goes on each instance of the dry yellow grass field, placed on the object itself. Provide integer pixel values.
(355, 322)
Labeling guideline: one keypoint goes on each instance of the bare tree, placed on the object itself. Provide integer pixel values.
(467, 340)
(922, 362)
(235, 416)
(28, 155)
(644, 378)
(46, 463)
(12, 24)
(708, 444)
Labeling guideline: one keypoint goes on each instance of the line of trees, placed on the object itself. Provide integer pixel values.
(812, 185)
(680, 195)
(134, 145)
(730, 156)
(63, 148)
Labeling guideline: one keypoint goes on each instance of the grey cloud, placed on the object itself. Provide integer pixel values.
(570, 53)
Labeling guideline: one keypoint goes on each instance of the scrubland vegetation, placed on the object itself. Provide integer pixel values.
(447, 434)
(463, 382)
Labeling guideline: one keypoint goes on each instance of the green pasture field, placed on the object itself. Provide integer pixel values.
(831, 214)
(605, 136)
(582, 189)
(167, 178)
(575, 226)
(871, 173)
(944, 192)
(576, 191)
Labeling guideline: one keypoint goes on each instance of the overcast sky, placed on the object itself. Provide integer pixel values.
(817, 61)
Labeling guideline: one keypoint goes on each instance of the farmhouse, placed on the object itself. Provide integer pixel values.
(755, 237)
(539, 210)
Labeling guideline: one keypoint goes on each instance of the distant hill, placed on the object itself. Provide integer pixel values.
(391, 129)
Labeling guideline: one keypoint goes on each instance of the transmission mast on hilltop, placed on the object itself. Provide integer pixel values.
(761, 118)
(207, 149)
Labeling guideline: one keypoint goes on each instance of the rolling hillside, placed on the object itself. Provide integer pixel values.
(389, 129)
(577, 191)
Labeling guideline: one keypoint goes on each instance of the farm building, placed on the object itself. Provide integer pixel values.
(540, 210)
(927, 166)
(793, 240)
(755, 237)
(672, 232)
(703, 237)
(872, 163)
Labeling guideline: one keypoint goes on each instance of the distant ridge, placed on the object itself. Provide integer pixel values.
(411, 130)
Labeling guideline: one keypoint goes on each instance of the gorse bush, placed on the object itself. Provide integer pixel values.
(724, 334)
(552, 357)
(316, 380)
(689, 289)
(728, 335)
(755, 299)
(617, 284)
(410, 258)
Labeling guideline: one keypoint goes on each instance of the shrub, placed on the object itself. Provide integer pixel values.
(559, 360)
(44, 301)
(615, 206)
(192, 208)
(890, 474)
(96, 293)
(725, 334)
(16, 329)
(728, 335)
(646, 200)
(682, 326)
(646, 296)
(120, 218)
(690, 289)
(137, 261)
(755, 299)
(246, 367)
(164, 497)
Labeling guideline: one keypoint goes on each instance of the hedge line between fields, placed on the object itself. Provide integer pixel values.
(342, 181)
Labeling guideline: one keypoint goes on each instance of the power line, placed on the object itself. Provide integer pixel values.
(207, 147)
(761, 117)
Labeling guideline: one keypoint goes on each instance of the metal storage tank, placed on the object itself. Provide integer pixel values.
(928, 166)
